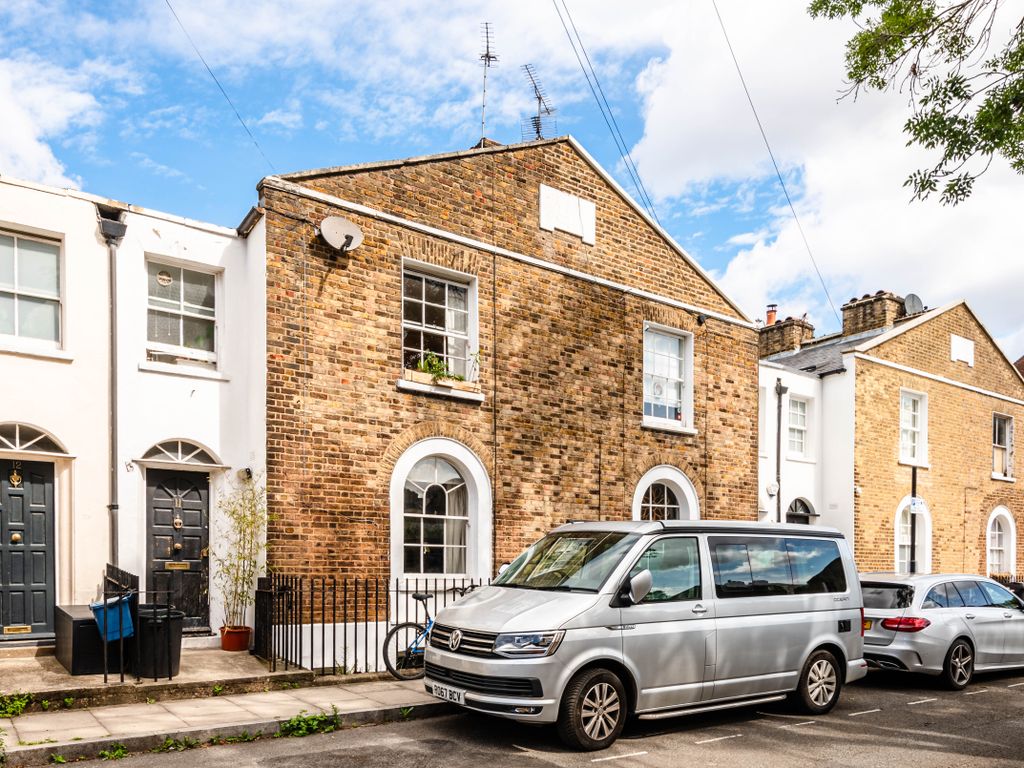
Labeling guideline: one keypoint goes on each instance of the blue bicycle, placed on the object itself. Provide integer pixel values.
(405, 645)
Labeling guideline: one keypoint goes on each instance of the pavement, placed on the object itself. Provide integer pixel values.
(32, 739)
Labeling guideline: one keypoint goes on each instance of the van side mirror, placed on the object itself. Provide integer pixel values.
(502, 568)
(639, 586)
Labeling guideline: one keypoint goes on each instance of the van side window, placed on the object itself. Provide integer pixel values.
(675, 570)
(817, 566)
(758, 566)
(750, 566)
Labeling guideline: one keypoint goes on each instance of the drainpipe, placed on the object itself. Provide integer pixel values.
(779, 392)
(112, 228)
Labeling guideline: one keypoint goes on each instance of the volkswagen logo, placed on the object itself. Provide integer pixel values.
(455, 640)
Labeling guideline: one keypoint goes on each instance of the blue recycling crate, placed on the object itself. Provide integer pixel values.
(114, 617)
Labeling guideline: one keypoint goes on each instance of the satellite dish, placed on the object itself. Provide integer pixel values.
(341, 234)
(913, 304)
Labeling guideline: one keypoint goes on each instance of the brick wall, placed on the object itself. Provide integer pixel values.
(958, 485)
(559, 430)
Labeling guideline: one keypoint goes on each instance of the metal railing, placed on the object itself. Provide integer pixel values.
(121, 591)
(336, 625)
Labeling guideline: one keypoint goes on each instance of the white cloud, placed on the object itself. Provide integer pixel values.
(159, 169)
(285, 119)
(852, 159)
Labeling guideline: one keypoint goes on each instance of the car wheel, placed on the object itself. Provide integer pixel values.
(820, 684)
(593, 711)
(958, 668)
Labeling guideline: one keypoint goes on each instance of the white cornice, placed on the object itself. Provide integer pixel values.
(935, 377)
(276, 182)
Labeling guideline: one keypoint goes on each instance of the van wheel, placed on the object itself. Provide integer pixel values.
(820, 683)
(593, 710)
(958, 669)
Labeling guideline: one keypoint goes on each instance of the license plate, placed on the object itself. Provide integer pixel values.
(448, 693)
(867, 624)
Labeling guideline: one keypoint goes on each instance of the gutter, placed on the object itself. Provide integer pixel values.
(112, 227)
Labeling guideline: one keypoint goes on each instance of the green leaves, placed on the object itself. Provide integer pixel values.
(964, 107)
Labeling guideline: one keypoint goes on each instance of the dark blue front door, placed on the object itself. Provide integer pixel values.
(26, 549)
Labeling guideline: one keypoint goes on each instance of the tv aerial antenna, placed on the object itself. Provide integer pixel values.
(489, 59)
(535, 127)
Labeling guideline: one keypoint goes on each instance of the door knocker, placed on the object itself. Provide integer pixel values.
(15, 479)
(178, 523)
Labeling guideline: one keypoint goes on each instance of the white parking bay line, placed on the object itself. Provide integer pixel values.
(865, 712)
(1015, 685)
(919, 701)
(794, 725)
(617, 757)
(973, 693)
(720, 738)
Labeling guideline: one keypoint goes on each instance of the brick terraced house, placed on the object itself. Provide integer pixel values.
(514, 344)
(900, 391)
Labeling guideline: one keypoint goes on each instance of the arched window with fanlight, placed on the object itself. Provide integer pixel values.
(665, 493)
(800, 512)
(1001, 547)
(659, 503)
(435, 519)
(26, 439)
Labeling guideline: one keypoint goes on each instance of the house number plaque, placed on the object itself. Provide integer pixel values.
(172, 566)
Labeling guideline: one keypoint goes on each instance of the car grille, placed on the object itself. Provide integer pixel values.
(473, 643)
(497, 686)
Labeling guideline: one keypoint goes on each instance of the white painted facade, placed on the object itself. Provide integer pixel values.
(66, 391)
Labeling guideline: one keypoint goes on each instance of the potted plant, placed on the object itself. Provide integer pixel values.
(239, 558)
(431, 369)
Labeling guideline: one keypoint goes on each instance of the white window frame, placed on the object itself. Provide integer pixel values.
(686, 424)
(1008, 448)
(29, 342)
(451, 276)
(924, 536)
(802, 431)
(478, 504)
(180, 351)
(920, 457)
(674, 478)
(1009, 545)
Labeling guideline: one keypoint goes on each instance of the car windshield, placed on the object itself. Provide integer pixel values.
(572, 561)
(887, 595)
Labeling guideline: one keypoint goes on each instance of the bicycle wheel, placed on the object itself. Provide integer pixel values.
(404, 649)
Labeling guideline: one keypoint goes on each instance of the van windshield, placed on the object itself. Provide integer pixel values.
(572, 561)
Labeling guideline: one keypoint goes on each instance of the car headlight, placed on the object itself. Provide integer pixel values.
(527, 643)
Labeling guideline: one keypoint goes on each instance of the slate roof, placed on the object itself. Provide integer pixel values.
(824, 355)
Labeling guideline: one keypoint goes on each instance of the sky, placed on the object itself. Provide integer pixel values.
(111, 98)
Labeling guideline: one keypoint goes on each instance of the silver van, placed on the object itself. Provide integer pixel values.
(599, 621)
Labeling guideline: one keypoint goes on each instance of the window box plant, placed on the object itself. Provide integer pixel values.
(432, 370)
(239, 558)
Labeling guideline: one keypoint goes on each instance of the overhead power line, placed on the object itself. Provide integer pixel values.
(771, 154)
(604, 107)
(221, 87)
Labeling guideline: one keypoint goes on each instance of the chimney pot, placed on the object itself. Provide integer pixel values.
(772, 314)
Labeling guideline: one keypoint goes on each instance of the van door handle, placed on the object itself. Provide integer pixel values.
(699, 608)
(970, 615)
(1007, 615)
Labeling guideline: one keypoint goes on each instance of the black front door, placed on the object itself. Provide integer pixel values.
(26, 549)
(178, 515)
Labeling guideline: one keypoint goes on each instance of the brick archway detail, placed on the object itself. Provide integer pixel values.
(423, 431)
(653, 460)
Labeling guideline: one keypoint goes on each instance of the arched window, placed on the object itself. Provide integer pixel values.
(659, 503)
(665, 493)
(1002, 542)
(179, 452)
(913, 537)
(800, 511)
(440, 512)
(22, 437)
(435, 519)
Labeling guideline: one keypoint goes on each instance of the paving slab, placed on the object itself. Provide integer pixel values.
(58, 726)
(136, 718)
(274, 704)
(393, 698)
(208, 711)
(326, 695)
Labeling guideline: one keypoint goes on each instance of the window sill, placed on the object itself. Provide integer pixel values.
(468, 392)
(42, 353)
(185, 371)
(1004, 478)
(667, 426)
(801, 459)
(918, 464)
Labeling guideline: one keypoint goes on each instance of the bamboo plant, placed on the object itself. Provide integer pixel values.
(239, 553)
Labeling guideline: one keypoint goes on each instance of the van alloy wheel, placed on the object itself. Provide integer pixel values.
(600, 711)
(821, 682)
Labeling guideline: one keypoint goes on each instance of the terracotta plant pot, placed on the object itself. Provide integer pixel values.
(235, 638)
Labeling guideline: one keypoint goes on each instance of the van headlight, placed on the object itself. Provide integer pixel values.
(528, 643)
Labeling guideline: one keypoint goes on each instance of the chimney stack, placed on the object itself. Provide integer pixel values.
(783, 335)
(880, 310)
(773, 310)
